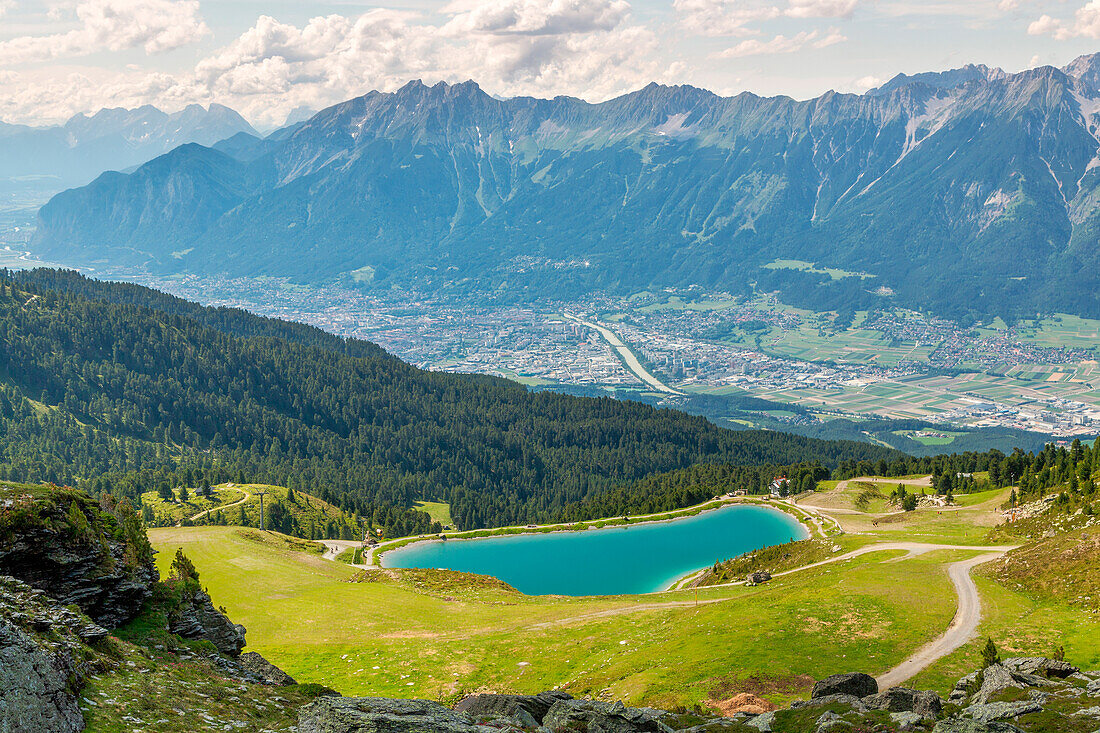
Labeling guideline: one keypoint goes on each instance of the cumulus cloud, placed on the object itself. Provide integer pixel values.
(821, 8)
(783, 44)
(543, 47)
(1086, 24)
(113, 25)
(737, 17)
(534, 17)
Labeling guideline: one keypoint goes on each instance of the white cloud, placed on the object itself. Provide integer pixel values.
(534, 17)
(721, 17)
(736, 17)
(112, 25)
(542, 47)
(1086, 23)
(1044, 26)
(783, 44)
(5, 6)
(867, 82)
(821, 8)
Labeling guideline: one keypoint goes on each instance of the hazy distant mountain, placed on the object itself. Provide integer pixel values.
(969, 192)
(111, 139)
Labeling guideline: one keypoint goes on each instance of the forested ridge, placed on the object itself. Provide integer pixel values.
(110, 384)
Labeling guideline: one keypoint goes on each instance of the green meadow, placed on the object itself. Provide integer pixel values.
(439, 635)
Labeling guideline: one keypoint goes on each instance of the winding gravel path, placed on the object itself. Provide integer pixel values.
(963, 628)
(204, 512)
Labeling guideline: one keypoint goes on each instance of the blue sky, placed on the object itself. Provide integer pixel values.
(267, 58)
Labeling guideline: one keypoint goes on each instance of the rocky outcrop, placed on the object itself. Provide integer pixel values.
(924, 703)
(758, 577)
(196, 618)
(604, 717)
(835, 707)
(527, 710)
(267, 672)
(64, 543)
(1051, 668)
(43, 660)
(381, 715)
(856, 684)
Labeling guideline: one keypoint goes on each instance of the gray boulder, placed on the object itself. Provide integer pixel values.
(830, 721)
(991, 711)
(1093, 689)
(602, 717)
(97, 571)
(960, 693)
(762, 722)
(527, 710)
(996, 678)
(381, 715)
(819, 702)
(966, 725)
(42, 667)
(268, 673)
(924, 703)
(1041, 666)
(196, 618)
(737, 721)
(906, 721)
(758, 577)
(851, 683)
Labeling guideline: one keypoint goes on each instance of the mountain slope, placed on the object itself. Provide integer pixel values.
(969, 192)
(123, 388)
(111, 139)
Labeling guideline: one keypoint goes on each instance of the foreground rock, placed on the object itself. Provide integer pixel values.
(42, 660)
(855, 684)
(605, 717)
(524, 710)
(1020, 695)
(382, 715)
(65, 543)
(264, 670)
(196, 618)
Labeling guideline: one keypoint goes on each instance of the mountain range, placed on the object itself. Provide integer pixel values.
(971, 193)
(111, 139)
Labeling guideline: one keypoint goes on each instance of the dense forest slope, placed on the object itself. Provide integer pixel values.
(971, 192)
(120, 384)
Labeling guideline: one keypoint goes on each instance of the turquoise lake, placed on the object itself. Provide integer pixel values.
(639, 558)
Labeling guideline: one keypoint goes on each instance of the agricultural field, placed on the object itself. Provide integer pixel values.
(1061, 330)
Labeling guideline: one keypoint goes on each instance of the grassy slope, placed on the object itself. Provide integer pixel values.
(862, 614)
(430, 634)
(305, 508)
(438, 511)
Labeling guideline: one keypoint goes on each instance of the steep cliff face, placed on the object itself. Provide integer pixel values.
(82, 564)
(44, 660)
(77, 550)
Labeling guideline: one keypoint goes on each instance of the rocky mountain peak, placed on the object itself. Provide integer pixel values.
(1085, 69)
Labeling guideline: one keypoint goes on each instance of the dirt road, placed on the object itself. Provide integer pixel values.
(912, 550)
(204, 512)
(962, 629)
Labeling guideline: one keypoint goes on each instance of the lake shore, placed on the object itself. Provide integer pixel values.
(652, 562)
